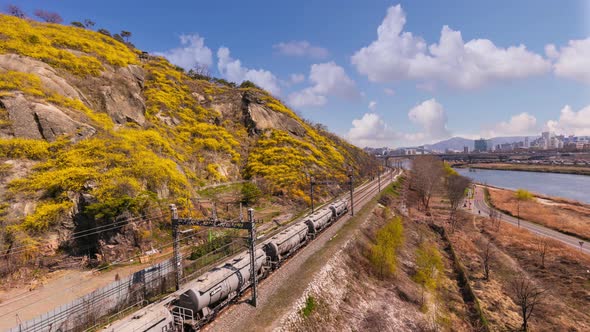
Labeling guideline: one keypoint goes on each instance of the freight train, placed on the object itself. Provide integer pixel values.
(203, 298)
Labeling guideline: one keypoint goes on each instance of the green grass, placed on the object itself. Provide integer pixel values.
(310, 305)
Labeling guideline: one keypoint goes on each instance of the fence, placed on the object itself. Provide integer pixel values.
(90, 309)
(105, 304)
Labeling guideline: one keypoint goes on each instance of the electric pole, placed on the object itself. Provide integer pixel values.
(214, 221)
(252, 254)
(379, 177)
(350, 182)
(311, 183)
(177, 257)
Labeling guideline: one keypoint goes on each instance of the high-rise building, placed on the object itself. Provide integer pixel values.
(481, 145)
(526, 143)
(465, 149)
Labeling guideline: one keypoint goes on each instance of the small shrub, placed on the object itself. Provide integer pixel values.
(18, 148)
(47, 215)
(310, 305)
(250, 193)
(383, 253)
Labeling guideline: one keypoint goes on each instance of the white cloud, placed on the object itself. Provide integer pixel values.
(571, 122)
(328, 79)
(373, 105)
(233, 71)
(389, 91)
(297, 78)
(429, 116)
(193, 52)
(301, 48)
(518, 125)
(399, 55)
(571, 61)
(371, 130)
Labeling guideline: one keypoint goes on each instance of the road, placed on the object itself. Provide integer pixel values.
(480, 205)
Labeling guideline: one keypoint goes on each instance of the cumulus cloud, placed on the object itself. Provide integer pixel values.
(371, 130)
(520, 124)
(429, 116)
(571, 122)
(296, 78)
(373, 105)
(301, 48)
(571, 61)
(389, 91)
(328, 79)
(192, 52)
(399, 55)
(232, 70)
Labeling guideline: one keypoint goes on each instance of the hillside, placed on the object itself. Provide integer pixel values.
(94, 131)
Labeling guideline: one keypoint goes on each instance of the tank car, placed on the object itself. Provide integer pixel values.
(286, 242)
(153, 318)
(220, 284)
(318, 220)
(339, 208)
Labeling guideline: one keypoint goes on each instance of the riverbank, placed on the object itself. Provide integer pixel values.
(577, 170)
(565, 216)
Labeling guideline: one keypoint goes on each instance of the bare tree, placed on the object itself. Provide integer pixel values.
(15, 11)
(200, 72)
(543, 247)
(527, 296)
(49, 17)
(88, 23)
(495, 219)
(427, 172)
(455, 186)
(486, 259)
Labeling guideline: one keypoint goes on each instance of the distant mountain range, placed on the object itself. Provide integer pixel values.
(457, 143)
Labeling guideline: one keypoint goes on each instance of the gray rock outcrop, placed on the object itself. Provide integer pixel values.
(50, 80)
(42, 121)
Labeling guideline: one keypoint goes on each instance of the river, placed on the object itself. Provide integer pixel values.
(570, 186)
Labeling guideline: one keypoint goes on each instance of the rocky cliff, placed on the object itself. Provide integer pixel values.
(93, 131)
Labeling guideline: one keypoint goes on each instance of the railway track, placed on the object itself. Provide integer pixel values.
(361, 196)
(243, 317)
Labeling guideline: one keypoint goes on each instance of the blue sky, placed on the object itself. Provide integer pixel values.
(325, 59)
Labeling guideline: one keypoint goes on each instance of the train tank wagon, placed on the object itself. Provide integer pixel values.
(319, 220)
(220, 284)
(339, 208)
(153, 318)
(286, 242)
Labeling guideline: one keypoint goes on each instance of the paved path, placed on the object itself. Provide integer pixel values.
(479, 206)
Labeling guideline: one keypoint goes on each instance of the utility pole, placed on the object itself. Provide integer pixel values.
(379, 177)
(311, 183)
(350, 182)
(176, 246)
(252, 254)
(214, 221)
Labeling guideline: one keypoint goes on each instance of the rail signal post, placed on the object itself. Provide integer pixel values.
(215, 222)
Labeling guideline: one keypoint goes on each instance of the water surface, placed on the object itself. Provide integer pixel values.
(570, 186)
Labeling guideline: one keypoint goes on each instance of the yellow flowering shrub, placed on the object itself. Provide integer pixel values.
(57, 45)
